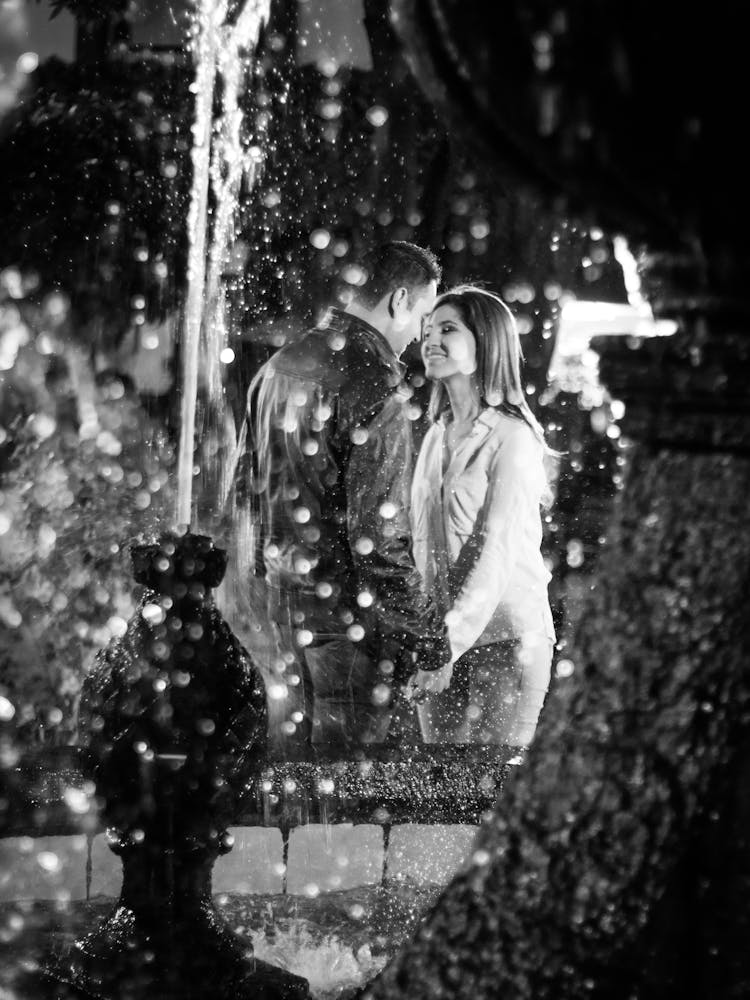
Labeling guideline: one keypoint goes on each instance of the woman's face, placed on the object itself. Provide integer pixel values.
(448, 345)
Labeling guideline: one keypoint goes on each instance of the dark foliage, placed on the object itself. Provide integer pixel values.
(96, 176)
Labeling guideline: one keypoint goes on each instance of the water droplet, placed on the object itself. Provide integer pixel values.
(49, 861)
(7, 709)
(153, 614)
(336, 341)
(381, 694)
(479, 229)
(364, 545)
(352, 274)
(320, 238)
(27, 62)
(377, 115)
(76, 800)
(564, 668)
(42, 425)
(574, 553)
(117, 626)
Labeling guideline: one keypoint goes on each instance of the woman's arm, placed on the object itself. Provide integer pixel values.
(516, 481)
(535, 660)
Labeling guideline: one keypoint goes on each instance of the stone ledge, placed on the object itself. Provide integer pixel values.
(44, 791)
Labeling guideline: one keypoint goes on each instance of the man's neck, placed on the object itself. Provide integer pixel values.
(378, 319)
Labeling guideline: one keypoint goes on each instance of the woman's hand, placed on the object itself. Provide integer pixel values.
(424, 682)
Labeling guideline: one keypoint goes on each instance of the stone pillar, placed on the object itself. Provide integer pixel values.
(174, 720)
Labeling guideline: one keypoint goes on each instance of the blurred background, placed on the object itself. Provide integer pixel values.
(323, 144)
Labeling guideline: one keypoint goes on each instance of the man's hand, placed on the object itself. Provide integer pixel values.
(423, 682)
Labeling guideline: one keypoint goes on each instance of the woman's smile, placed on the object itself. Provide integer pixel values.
(448, 345)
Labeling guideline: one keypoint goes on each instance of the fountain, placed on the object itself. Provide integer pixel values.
(145, 774)
(173, 716)
(174, 723)
(223, 49)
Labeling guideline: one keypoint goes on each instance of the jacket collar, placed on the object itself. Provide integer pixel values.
(485, 422)
(337, 319)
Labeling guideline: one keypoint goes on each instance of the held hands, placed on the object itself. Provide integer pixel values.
(421, 683)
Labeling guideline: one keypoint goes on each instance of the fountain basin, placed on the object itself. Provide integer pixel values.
(401, 819)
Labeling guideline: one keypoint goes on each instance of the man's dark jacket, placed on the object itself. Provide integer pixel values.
(324, 475)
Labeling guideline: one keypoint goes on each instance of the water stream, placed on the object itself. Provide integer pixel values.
(224, 52)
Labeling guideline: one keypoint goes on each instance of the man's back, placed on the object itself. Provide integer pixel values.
(331, 453)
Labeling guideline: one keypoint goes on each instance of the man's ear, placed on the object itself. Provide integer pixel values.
(399, 299)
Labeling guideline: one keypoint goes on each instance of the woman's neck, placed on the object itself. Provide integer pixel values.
(463, 397)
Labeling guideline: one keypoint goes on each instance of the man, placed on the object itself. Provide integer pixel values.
(325, 468)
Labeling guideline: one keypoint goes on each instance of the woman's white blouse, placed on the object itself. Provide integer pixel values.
(477, 531)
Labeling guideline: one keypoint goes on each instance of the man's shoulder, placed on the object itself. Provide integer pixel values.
(340, 358)
(312, 357)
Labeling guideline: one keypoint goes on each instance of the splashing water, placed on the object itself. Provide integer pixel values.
(329, 965)
(222, 50)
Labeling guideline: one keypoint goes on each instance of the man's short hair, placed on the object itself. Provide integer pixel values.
(397, 264)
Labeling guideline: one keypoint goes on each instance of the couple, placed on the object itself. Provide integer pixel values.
(383, 577)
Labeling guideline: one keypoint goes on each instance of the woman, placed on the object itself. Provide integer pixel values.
(478, 485)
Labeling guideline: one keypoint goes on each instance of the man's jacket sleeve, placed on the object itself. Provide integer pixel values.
(378, 480)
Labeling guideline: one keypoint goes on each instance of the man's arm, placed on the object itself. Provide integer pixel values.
(378, 480)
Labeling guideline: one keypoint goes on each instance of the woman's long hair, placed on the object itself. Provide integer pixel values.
(499, 355)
